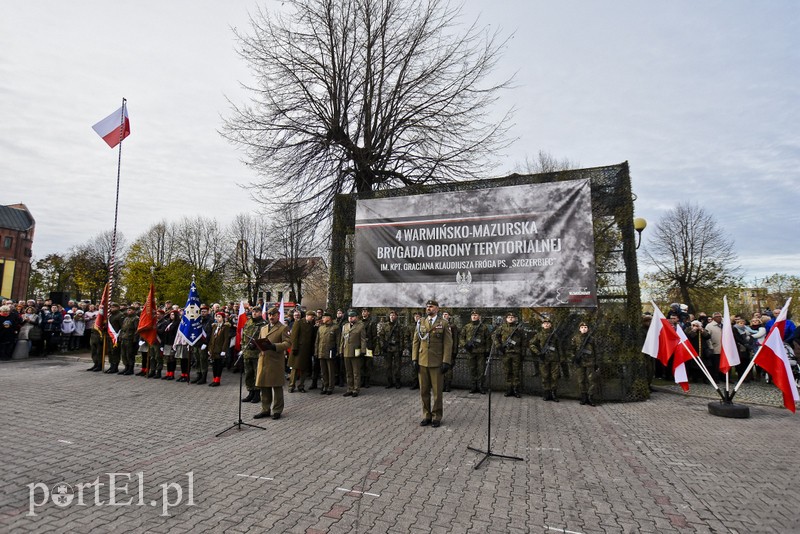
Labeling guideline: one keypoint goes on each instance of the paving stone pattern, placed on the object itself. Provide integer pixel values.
(336, 464)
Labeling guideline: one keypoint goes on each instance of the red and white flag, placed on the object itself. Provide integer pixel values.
(114, 128)
(773, 359)
(729, 354)
(661, 337)
(684, 352)
(102, 312)
(240, 325)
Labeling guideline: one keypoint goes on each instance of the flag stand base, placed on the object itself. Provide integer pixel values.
(728, 409)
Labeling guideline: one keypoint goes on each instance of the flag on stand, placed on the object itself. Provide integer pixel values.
(661, 342)
(114, 128)
(191, 328)
(102, 312)
(240, 325)
(147, 319)
(729, 354)
(773, 359)
(281, 311)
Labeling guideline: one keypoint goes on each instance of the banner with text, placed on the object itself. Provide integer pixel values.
(520, 246)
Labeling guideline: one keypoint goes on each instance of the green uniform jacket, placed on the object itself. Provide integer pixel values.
(129, 326)
(302, 345)
(250, 331)
(478, 335)
(433, 343)
(588, 356)
(392, 338)
(219, 339)
(328, 341)
(271, 363)
(537, 346)
(354, 337)
(518, 341)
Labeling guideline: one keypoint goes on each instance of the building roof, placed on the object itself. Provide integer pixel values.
(16, 217)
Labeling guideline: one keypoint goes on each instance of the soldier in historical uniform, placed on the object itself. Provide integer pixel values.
(167, 330)
(326, 348)
(97, 337)
(510, 342)
(128, 341)
(411, 333)
(250, 331)
(475, 340)
(273, 342)
(546, 345)
(219, 341)
(353, 347)
(391, 341)
(585, 362)
(371, 331)
(448, 376)
(302, 337)
(115, 318)
(155, 359)
(431, 354)
(341, 372)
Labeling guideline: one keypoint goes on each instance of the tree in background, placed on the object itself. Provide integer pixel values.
(692, 255)
(360, 95)
(254, 241)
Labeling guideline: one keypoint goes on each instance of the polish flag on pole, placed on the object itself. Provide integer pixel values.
(684, 352)
(773, 359)
(661, 337)
(281, 311)
(729, 354)
(114, 128)
(240, 325)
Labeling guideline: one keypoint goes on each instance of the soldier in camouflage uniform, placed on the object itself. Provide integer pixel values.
(371, 331)
(476, 340)
(392, 342)
(250, 354)
(128, 341)
(546, 346)
(448, 376)
(510, 341)
(411, 332)
(584, 359)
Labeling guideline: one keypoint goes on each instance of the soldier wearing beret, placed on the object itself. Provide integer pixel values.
(431, 354)
(353, 347)
(326, 348)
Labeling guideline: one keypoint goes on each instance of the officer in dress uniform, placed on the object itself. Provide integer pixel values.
(326, 348)
(431, 354)
(270, 378)
(353, 347)
(250, 354)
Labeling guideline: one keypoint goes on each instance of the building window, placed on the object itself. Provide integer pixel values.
(7, 242)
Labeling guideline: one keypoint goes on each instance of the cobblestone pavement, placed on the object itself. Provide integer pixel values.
(340, 465)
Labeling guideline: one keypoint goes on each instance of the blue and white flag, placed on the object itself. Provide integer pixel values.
(191, 328)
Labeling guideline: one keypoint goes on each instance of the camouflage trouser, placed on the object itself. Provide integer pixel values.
(96, 346)
(587, 379)
(476, 361)
(250, 369)
(550, 371)
(128, 352)
(154, 358)
(512, 364)
(392, 361)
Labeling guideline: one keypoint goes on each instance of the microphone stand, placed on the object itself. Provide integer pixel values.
(487, 372)
(238, 424)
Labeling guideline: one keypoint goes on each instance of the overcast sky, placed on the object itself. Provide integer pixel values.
(701, 98)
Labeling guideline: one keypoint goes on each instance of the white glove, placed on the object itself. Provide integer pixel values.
(369, 352)
(141, 343)
(203, 347)
(358, 352)
(222, 354)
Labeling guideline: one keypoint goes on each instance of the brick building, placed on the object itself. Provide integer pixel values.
(16, 244)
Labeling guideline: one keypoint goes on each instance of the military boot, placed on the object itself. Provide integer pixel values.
(590, 401)
(517, 393)
(509, 392)
(112, 370)
(142, 372)
(198, 379)
(583, 399)
(203, 378)
(250, 395)
(157, 374)
(475, 388)
(547, 396)
(151, 374)
(553, 396)
(256, 396)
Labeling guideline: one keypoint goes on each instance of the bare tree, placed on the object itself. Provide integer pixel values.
(298, 253)
(545, 162)
(691, 253)
(202, 244)
(360, 95)
(253, 244)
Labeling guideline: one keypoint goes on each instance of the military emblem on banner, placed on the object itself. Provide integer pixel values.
(464, 281)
